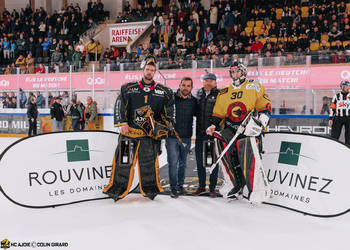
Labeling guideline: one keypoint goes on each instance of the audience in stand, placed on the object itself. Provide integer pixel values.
(29, 38)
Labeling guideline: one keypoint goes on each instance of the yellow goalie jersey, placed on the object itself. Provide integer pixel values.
(234, 103)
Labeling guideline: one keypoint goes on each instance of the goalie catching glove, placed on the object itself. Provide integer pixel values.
(256, 124)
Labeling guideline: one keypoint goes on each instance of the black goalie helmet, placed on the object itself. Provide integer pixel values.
(238, 66)
(150, 59)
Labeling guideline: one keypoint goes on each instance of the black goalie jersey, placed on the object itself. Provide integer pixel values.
(138, 102)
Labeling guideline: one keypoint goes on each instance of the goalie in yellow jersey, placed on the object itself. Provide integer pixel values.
(241, 165)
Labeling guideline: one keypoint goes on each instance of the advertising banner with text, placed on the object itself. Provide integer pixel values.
(57, 168)
(307, 173)
(122, 34)
(16, 124)
(307, 124)
(316, 77)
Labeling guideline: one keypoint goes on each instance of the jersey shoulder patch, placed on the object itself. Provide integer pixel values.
(223, 91)
(253, 84)
(266, 97)
(131, 83)
(131, 87)
(161, 89)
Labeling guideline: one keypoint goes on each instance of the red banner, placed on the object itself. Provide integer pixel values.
(315, 77)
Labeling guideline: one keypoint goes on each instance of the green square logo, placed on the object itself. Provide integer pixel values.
(78, 150)
(289, 153)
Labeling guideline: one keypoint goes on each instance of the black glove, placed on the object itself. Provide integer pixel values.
(160, 131)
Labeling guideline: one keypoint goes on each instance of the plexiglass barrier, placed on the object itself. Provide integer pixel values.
(295, 85)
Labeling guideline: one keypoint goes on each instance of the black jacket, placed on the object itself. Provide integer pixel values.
(204, 110)
(74, 112)
(32, 111)
(56, 111)
(185, 110)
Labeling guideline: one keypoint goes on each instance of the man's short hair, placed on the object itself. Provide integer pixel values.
(186, 78)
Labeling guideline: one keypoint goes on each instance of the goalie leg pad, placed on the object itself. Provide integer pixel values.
(149, 168)
(122, 174)
(247, 161)
(229, 163)
(261, 187)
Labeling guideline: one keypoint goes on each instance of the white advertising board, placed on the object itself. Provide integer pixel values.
(307, 173)
(58, 168)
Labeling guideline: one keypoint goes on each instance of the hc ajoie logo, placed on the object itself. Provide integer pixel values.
(5, 244)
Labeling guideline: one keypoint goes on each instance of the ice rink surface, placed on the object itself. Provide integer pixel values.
(165, 223)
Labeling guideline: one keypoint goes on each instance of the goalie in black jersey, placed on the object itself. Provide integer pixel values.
(144, 110)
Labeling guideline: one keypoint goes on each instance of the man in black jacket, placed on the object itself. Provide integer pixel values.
(185, 105)
(81, 109)
(57, 115)
(206, 98)
(75, 115)
(32, 113)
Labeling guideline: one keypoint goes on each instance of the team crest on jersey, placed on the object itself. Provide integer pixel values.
(253, 86)
(237, 111)
(143, 118)
(223, 91)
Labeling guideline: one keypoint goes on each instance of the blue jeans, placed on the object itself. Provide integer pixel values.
(201, 170)
(75, 125)
(177, 156)
(56, 125)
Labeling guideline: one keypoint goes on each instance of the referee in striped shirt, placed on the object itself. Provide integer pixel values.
(340, 112)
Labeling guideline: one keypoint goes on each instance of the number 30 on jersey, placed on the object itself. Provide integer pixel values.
(237, 95)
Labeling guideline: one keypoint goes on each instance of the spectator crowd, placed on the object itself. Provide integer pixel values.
(31, 40)
(185, 32)
(22, 99)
